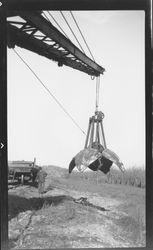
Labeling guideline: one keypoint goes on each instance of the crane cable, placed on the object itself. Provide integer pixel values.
(58, 24)
(97, 92)
(92, 77)
(72, 31)
(46, 16)
(61, 106)
(55, 22)
(82, 35)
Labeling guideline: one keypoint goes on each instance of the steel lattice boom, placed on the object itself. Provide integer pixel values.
(38, 35)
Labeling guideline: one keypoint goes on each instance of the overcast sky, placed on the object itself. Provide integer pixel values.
(38, 127)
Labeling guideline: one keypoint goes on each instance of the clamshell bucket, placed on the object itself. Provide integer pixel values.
(84, 158)
(95, 160)
(95, 155)
(110, 155)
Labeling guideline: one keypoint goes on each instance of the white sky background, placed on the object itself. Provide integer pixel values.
(38, 127)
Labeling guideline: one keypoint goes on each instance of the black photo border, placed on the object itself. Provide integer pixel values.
(29, 5)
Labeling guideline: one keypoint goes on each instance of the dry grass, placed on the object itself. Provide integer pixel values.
(134, 176)
(58, 222)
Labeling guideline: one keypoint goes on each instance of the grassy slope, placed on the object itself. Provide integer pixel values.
(132, 198)
(58, 222)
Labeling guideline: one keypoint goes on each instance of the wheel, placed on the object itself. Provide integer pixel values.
(22, 179)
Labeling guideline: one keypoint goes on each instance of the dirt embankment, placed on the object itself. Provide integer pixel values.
(76, 213)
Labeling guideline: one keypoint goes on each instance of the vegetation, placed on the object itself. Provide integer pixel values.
(58, 221)
(134, 176)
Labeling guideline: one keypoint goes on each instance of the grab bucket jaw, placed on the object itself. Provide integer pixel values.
(95, 155)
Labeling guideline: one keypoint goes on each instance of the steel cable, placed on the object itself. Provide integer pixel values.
(72, 31)
(82, 35)
(58, 24)
(55, 22)
(61, 106)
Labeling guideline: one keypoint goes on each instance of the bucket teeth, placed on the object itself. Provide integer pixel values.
(93, 159)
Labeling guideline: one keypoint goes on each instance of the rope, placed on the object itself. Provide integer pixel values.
(97, 91)
(61, 106)
(46, 16)
(57, 24)
(72, 31)
(82, 35)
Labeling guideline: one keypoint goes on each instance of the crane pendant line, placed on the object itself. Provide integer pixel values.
(95, 155)
(97, 92)
(95, 134)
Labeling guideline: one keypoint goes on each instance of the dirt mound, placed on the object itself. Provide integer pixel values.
(74, 213)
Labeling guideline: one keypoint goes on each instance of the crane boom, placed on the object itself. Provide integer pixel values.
(51, 43)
